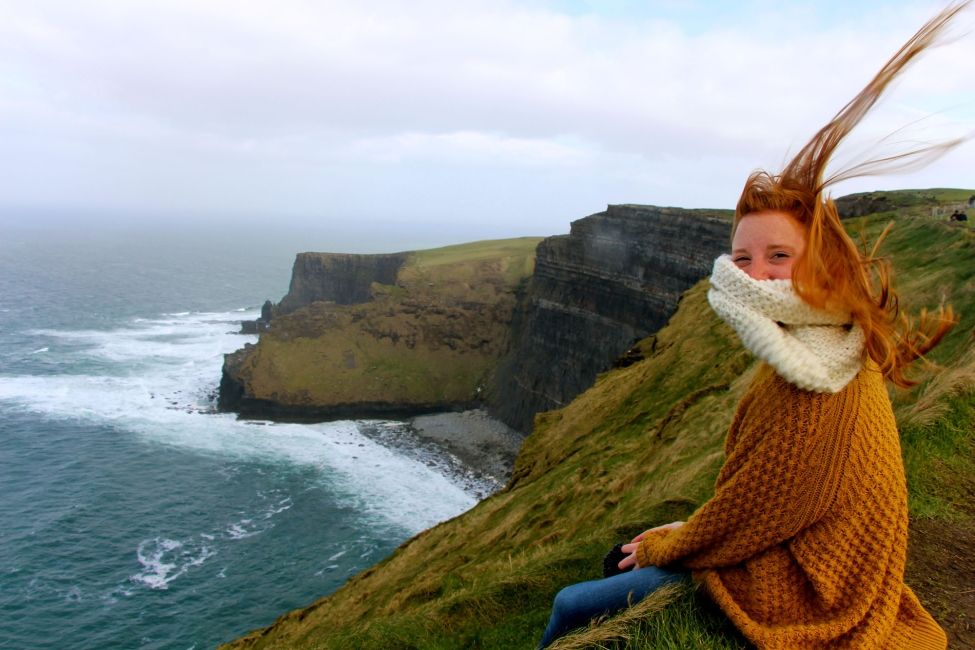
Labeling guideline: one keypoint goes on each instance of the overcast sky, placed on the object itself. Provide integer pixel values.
(488, 117)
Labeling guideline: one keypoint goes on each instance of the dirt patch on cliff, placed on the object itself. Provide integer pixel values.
(940, 566)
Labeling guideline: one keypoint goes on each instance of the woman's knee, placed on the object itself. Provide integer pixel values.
(566, 601)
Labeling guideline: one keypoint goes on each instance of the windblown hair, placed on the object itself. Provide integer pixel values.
(832, 273)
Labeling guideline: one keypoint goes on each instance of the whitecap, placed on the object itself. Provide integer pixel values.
(164, 560)
(281, 506)
(240, 531)
(156, 573)
(38, 351)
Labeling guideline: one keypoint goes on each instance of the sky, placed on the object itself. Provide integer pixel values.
(462, 120)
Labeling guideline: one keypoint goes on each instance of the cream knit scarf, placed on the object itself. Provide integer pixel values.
(814, 349)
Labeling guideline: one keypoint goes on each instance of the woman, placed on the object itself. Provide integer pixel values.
(804, 543)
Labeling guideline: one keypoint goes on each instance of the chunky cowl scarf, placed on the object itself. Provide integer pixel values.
(810, 348)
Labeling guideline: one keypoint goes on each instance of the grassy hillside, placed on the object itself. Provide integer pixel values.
(912, 199)
(431, 338)
(642, 447)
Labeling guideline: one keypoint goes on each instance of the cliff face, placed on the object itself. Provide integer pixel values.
(359, 334)
(344, 279)
(615, 278)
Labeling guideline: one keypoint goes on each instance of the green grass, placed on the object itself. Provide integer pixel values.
(938, 458)
(479, 250)
(926, 198)
(641, 448)
(465, 266)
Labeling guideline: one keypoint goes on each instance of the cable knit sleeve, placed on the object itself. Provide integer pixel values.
(785, 457)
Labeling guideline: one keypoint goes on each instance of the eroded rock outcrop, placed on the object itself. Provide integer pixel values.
(345, 279)
(382, 335)
(614, 279)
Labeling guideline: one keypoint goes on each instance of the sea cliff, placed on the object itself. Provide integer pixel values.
(614, 279)
(382, 335)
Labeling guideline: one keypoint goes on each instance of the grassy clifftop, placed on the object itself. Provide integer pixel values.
(642, 447)
(429, 339)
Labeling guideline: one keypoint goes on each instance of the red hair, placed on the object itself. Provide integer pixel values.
(833, 273)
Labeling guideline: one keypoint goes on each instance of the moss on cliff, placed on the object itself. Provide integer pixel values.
(642, 447)
(430, 339)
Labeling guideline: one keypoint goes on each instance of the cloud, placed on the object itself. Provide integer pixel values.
(473, 148)
(311, 105)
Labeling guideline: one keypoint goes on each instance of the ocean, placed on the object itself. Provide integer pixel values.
(132, 514)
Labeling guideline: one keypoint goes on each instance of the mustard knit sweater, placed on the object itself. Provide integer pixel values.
(804, 542)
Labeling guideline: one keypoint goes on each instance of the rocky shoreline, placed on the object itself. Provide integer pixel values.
(471, 446)
(484, 444)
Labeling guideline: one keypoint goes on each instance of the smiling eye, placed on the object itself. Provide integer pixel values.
(741, 259)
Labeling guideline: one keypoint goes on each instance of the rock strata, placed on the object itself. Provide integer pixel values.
(614, 279)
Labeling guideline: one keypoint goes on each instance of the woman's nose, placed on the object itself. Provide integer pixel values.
(758, 270)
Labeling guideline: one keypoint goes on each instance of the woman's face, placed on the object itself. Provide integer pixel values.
(767, 244)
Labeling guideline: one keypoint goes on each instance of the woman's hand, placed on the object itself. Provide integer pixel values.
(630, 560)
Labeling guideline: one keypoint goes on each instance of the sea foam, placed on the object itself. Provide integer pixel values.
(157, 377)
(164, 560)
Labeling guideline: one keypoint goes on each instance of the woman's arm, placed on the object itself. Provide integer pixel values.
(782, 475)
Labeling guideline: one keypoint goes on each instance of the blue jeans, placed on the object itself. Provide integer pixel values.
(577, 604)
